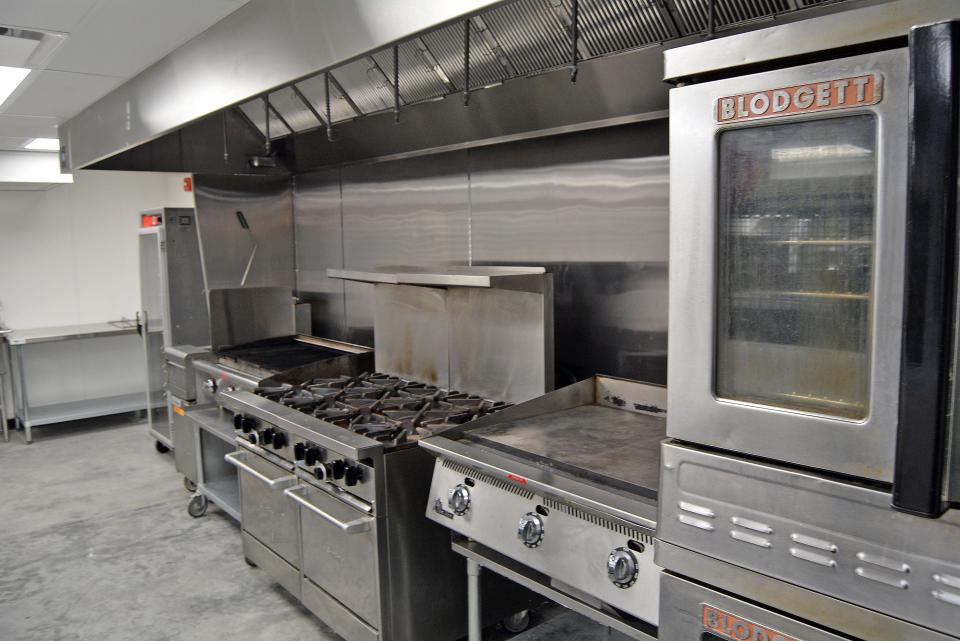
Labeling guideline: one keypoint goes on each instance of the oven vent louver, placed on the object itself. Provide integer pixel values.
(627, 531)
(512, 40)
(477, 475)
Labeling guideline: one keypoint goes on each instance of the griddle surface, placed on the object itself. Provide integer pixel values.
(589, 440)
(278, 354)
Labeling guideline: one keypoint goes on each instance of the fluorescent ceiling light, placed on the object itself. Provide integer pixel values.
(10, 79)
(43, 144)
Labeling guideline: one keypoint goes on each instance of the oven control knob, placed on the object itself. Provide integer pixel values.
(352, 475)
(248, 424)
(266, 436)
(314, 455)
(322, 472)
(337, 469)
(210, 386)
(299, 451)
(622, 568)
(459, 499)
(279, 440)
(252, 437)
(530, 530)
(238, 421)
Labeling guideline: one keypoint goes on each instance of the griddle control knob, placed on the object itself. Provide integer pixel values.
(622, 568)
(530, 530)
(210, 386)
(459, 499)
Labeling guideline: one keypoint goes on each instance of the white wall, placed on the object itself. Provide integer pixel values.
(69, 255)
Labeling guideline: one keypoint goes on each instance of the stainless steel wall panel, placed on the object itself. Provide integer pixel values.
(318, 234)
(600, 226)
(406, 213)
(226, 247)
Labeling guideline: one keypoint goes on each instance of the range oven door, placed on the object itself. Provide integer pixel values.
(340, 562)
(268, 517)
(788, 211)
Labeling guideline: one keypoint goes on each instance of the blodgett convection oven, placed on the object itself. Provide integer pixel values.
(813, 332)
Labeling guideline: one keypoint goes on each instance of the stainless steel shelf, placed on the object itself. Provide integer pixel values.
(489, 277)
(67, 332)
(89, 408)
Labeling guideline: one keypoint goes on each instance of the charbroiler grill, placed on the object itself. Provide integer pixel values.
(332, 483)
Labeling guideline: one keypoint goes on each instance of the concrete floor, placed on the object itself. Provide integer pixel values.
(98, 546)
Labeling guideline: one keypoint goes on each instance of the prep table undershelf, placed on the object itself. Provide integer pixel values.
(89, 408)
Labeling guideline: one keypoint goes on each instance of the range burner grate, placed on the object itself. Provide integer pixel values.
(382, 407)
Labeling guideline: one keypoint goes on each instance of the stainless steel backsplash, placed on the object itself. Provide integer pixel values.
(591, 207)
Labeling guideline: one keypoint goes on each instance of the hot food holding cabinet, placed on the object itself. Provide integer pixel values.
(812, 329)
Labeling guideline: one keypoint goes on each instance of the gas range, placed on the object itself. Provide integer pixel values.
(385, 408)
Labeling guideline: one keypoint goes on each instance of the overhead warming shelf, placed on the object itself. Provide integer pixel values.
(498, 277)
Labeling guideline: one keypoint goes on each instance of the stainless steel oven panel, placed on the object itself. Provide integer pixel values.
(858, 448)
(340, 553)
(575, 546)
(184, 433)
(265, 513)
(691, 611)
(342, 621)
(831, 537)
(264, 558)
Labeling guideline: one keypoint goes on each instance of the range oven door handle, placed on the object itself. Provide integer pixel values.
(930, 271)
(238, 460)
(355, 526)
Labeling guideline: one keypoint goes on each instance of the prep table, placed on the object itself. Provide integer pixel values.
(94, 396)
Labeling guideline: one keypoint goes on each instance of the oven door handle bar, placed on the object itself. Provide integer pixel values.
(238, 460)
(356, 526)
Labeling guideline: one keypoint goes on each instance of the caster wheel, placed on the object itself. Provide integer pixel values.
(161, 448)
(189, 485)
(518, 622)
(197, 506)
(249, 562)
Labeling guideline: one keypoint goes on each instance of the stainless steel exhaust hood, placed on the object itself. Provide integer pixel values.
(321, 64)
(264, 44)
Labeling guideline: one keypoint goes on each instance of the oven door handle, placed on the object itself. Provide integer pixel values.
(238, 460)
(356, 526)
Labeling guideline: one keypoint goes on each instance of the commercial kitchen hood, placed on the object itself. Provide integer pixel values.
(292, 67)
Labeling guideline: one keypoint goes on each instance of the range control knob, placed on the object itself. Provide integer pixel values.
(299, 451)
(266, 436)
(622, 568)
(323, 472)
(237, 421)
(352, 475)
(252, 437)
(248, 424)
(530, 530)
(337, 469)
(210, 386)
(459, 499)
(314, 455)
(279, 440)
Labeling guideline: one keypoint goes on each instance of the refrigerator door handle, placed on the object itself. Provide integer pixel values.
(930, 274)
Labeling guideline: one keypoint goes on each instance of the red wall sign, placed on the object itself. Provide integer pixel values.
(842, 93)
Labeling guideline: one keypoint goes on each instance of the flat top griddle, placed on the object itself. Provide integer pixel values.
(592, 441)
(275, 354)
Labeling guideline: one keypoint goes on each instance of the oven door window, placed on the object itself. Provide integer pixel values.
(797, 210)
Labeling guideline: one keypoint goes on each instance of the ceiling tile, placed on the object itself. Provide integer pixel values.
(56, 15)
(58, 94)
(143, 30)
(27, 126)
